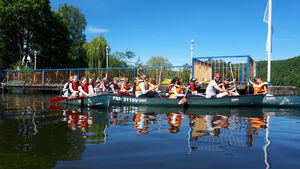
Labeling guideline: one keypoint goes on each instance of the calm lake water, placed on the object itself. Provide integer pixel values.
(36, 135)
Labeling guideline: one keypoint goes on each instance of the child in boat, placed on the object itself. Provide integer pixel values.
(91, 87)
(153, 85)
(259, 86)
(83, 87)
(125, 85)
(142, 88)
(66, 90)
(73, 86)
(175, 88)
(225, 85)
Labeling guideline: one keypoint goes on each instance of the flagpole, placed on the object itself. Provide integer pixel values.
(269, 39)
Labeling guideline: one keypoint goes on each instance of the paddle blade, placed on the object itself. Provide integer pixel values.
(58, 99)
(56, 108)
(182, 101)
(124, 93)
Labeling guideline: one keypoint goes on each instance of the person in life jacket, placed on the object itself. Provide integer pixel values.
(142, 88)
(153, 85)
(73, 86)
(175, 88)
(83, 87)
(125, 85)
(174, 120)
(225, 85)
(192, 86)
(113, 86)
(91, 87)
(259, 86)
(66, 90)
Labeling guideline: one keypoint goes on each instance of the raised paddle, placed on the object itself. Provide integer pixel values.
(183, 100)
(232, 76)
(58, 99)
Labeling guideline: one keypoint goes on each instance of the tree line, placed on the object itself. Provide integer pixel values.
(31, 28)
(283, 72)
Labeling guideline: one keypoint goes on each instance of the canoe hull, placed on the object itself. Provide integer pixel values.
(281, 101)
(236, 101)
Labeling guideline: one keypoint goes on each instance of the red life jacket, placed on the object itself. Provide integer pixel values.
(75, 86)
(85, 87)
(193, 87)
(92, 84)
(115, 86)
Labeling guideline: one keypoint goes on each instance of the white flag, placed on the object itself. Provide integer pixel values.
(269, 38)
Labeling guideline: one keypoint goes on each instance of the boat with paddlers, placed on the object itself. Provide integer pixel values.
(106, 99)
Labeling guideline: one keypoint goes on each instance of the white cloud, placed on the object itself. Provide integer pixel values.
(91, 29)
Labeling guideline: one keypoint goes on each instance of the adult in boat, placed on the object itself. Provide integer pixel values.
(73, 86)
(113, 86)
(175, 88)
(225, 85)
(153, 85)
(213, 90)
(91, 87)
(125, 85)
(259, 86)
(66, 90)
(83, 87)
(142, 88)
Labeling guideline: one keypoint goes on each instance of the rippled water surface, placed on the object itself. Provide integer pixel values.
(35, 134)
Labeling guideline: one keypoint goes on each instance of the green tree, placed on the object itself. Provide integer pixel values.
(76, 24)
(123, 59)
(27, 26)
(158, 61)
(95, 52)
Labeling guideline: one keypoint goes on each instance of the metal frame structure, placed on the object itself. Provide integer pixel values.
(214, 57)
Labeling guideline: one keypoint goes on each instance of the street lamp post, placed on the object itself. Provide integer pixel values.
(35, 53)
(192, 48)
(107, 55)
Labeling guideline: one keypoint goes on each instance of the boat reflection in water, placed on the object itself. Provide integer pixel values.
(35, 131)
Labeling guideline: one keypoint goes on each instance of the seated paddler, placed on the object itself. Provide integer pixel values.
(125, 85)
(113, 86)
(142, 88)
(73, 86)
(175, 88)
(213, 90)
(259, 86)
(83, 87)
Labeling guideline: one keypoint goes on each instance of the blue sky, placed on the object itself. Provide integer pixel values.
(166, 27)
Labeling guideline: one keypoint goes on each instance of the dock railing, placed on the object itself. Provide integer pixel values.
(60, 76)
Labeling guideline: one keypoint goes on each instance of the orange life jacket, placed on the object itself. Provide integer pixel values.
(125, 86)
(85, 87)
(259, 88)
(178, 90)
(138, 88)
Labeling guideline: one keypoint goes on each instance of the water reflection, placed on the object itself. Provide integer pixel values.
(35, 134)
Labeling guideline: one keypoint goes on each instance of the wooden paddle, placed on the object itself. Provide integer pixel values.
(232, 77)
(58, 99)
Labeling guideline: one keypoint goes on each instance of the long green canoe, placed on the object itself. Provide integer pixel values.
(111, 99)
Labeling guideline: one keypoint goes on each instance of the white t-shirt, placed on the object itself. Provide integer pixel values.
(142, 85)
(211, 91)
